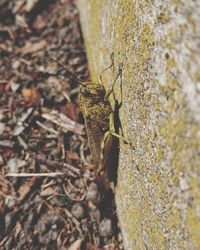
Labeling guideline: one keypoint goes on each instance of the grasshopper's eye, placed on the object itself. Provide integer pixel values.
(85, 92)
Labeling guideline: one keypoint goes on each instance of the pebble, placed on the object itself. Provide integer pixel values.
(80, 183)
(14, 164)
(78, 211)
(95, 214)
(2, 127)
(105, 228)
(93, 194)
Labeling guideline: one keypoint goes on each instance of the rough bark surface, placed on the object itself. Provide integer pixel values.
(158, 191)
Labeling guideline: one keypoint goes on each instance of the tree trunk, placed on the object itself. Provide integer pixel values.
(158, 42)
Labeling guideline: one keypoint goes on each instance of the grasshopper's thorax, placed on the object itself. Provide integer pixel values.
(92, 91)
(96, 111)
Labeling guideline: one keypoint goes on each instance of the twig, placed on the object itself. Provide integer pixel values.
(34, 174)
(51, 130)
(63, 121)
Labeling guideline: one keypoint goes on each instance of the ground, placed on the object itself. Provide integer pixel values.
(49, 198)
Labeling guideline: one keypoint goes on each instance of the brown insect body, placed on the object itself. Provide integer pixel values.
(96, 111)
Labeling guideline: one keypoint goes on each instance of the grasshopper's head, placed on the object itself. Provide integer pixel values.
(87, 89)
(92, 90)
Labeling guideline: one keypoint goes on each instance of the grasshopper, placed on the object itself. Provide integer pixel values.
(98, 116)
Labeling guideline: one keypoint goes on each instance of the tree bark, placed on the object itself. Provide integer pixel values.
(158, 42)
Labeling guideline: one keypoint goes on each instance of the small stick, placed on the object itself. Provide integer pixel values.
(34, 174)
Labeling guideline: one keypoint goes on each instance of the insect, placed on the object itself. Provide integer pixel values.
(98, 115)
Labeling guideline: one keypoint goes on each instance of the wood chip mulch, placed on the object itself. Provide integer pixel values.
(49, 198)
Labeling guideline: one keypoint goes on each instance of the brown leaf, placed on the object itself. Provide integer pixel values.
(72, 155)
(39, 23)
(3, 86)
(76, 245)
(18, 228)
(26, 188)
(48, 192)
(7, 153)
(31, 96)
(2, 202)
(72, 111)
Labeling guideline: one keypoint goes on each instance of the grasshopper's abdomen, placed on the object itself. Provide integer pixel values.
(96, 111)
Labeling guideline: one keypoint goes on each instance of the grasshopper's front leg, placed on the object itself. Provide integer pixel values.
(110, 91)
(99, 76)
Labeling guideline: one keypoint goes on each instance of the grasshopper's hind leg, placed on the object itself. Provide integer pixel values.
(116, 134)
(107, 170)
(105, 149)
(106, 146)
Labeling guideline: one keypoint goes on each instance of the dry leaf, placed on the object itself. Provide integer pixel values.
(63, 121)
(23, 191)
(39, 23)
(48, 192)
(76, 245)
(21, 21)
(26, 188)
(18, 228)
(33, 47)
(2, 202)
(3, 86)
(72, 111)
(72, 155)
(30, 4)
(31, 96)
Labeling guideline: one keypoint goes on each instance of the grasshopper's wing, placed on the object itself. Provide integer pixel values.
(94, 139)
(110, 156)
(97, 125)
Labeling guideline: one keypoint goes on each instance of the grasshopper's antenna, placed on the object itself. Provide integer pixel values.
(67, 73)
